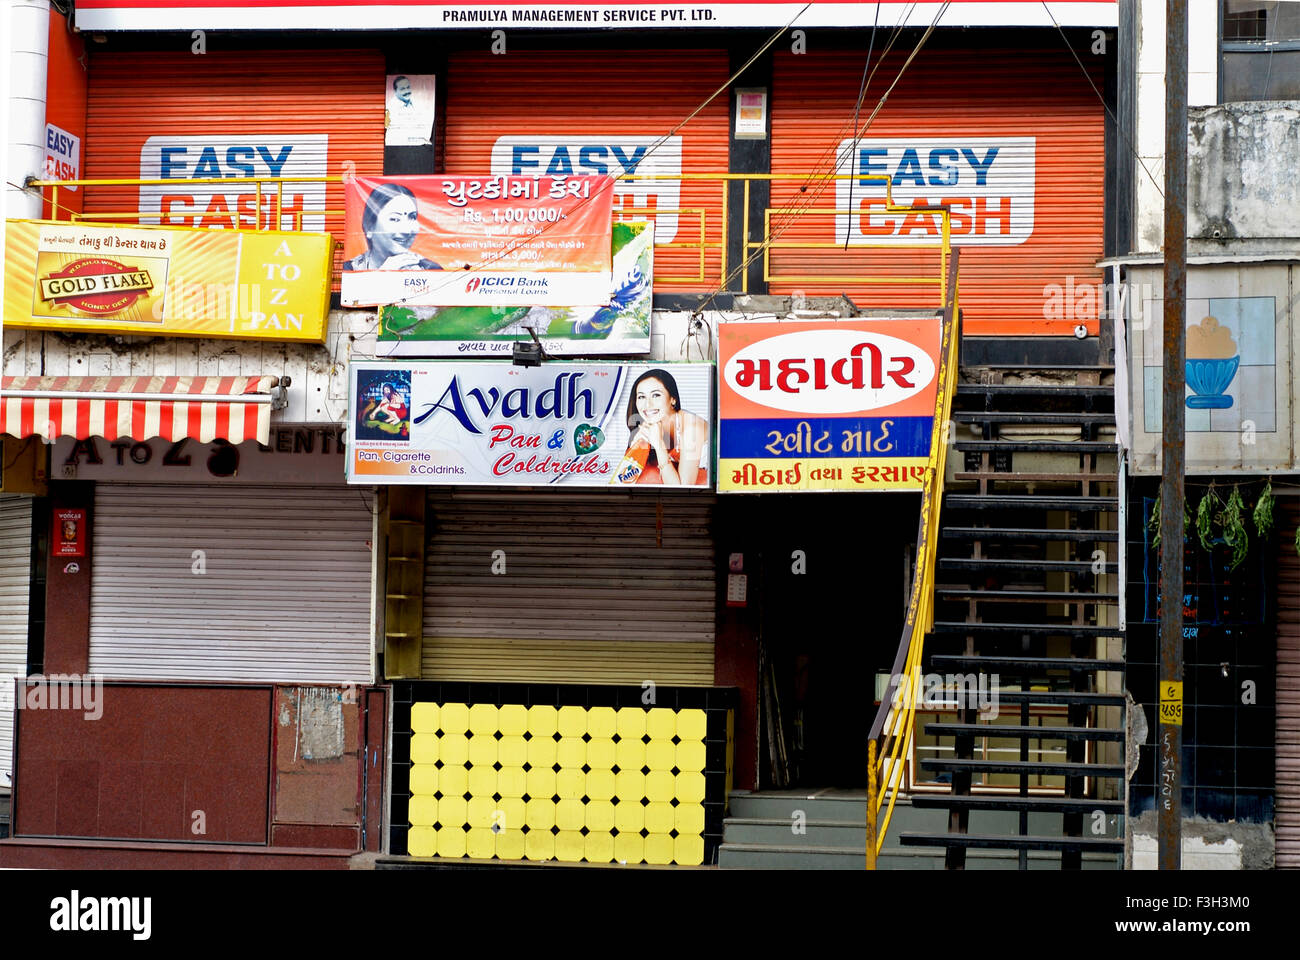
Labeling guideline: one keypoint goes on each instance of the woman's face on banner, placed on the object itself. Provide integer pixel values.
(652, 400)
(395, 227)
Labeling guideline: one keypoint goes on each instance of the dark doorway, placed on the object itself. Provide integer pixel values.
(831, 607)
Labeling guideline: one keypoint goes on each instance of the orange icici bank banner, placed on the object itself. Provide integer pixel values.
(527, 240)
(1011, 140)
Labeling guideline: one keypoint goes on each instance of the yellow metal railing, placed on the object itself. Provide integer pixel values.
(269, 213)
(890, 745)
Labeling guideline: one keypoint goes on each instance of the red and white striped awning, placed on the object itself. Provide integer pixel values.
(138, 408)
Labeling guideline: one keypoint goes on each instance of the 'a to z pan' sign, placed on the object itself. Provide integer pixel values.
(826, 406)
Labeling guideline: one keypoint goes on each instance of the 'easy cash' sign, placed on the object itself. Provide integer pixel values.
(988, 184)
(826, 406)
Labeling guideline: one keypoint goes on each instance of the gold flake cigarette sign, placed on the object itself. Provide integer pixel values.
(94, 286)
(167, 281)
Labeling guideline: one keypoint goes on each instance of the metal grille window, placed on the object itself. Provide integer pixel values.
(1260, 50)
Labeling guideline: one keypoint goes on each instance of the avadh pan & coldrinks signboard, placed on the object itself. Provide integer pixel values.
(490, 424)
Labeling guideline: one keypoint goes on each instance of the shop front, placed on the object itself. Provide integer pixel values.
(205, 695)
(553, 649)
(825, 431)
(22, 485)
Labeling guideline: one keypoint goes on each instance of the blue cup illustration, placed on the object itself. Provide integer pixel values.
(1209, 377)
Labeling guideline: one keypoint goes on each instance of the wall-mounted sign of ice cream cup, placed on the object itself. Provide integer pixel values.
(1211, 364)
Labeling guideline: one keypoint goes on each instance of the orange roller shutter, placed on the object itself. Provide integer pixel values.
(586, 112)
(233, 115)
(1022, 103)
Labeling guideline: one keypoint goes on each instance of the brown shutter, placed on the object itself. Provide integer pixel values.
(1287, 814)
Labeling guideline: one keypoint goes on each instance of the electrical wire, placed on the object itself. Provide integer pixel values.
(857, 107)
(779, 228)
(650, 151)
(1115, 120)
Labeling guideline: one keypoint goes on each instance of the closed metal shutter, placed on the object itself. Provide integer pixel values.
(284, 593)
(598, 99)
(946, 94)
(1287, 810)
(15, 575)
(601, 588)
(222, 96)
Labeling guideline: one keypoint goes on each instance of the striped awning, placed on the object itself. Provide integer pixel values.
(138, 408)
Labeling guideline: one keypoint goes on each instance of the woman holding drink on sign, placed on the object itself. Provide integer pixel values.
(666, 443)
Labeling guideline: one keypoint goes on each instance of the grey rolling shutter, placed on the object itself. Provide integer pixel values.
(282, 593)
(615, 588)
(15, 572)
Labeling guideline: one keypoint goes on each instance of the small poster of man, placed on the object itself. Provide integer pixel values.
(409, 109)
(69, 535)
(383, 405)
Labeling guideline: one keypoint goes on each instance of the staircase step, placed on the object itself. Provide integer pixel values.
(1045, 768)
(1022, 501)
(1030, 533)
(1024, 663)
(1035, 446)
(1062, 697)
(779, 831)
(1031, 630)
(790, 856)
(1031, 804)
(1000, 416)
(1034, 390)
(782, 805)
(1022, 596)
(1039, 477)
(986, 565)
(1023, 733)
(1010, 842)
(1095, 367)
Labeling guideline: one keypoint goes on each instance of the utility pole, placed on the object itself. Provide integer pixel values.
(1169, 787)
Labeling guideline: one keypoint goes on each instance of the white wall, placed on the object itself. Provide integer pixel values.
(319, 373)
(1202, 90)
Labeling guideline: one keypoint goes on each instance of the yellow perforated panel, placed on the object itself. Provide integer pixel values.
(573, 784)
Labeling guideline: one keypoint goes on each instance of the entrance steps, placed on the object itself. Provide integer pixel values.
(826, 830)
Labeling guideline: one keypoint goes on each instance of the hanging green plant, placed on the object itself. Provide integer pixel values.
(1233, 523)
(1263, 513)
(1205, 519)
(1153, 524)
(1297, 541)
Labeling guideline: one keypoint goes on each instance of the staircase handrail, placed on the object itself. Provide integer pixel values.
(891, 732)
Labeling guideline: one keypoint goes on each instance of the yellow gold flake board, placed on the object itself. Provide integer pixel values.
(167, 281)
(485, 784)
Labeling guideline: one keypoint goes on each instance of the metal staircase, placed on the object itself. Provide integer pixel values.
(1026, 601)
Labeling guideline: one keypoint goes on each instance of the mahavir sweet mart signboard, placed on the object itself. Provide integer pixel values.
(386, 15)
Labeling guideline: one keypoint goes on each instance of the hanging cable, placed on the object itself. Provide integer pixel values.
(862, 92)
